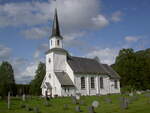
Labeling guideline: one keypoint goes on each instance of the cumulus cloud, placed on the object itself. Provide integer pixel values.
(72, 39)
(132, 38)
(24, 70)
(40, 50)
(116, 16)
(106, 55)
(100, 21)
(36, 33)
(75, 13)
(24, 13)
(5, 52)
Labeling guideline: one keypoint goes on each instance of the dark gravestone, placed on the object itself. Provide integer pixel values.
(77, 108)
(81, 102)
(134, 98)
(46, 103)
(66, 107)
(108, 100)
(147, 95)
(91, 109)
(36, 110)
(74, 100)
(124, 103)
(23, 106)
(28, 108)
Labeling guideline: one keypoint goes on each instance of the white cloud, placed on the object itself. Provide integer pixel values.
(37, 53)
(106, 55)
(24, 70)
(30, 70)
(36, 33)
(74, 14)
(100, 21)
(72, 39)
(116, 16)
(132, 38)
(40, 50)
(25, 13)
(5, 52)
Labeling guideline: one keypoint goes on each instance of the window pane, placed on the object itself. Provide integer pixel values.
(82, 83)
(116, 86)
(101, 83)
(92, 82)
(57, 42)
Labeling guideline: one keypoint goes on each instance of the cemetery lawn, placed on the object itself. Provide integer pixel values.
(141, 105)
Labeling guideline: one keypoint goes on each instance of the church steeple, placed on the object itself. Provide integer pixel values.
(55, 28)
(56, 40)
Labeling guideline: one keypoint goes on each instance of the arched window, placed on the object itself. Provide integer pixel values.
(49, 60)
(101, 82)
(82, 82)
(58, 42)
(116, 84)
(49, 76)
(92, 82)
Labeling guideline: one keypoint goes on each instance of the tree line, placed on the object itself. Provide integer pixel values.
(133, 67)
(7, 81)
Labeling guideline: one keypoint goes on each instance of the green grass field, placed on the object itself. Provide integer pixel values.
(141, 105)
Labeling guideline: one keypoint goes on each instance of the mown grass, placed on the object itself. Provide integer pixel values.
(141, 105)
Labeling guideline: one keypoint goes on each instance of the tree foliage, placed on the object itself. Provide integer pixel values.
(134, 68)
(7, 81)
(37, 81)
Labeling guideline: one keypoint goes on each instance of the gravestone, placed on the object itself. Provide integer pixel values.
(74, 100)
(95, 104)
(131, 94)
(8, 100)
(147, 95)
(139, 92)
(23, 106)
(23, 97)
(78, 96)
(108, 100)
(66, 106)
(28, 108)
(46, 103)
(77, 108)
(91, 109)
(81, 102)
(124, 103)
(36, 110)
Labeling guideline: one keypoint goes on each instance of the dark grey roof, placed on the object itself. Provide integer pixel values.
(56, 49)
(86, 66)
(113, 74)
(64, 79)
(55, 28)
(48, 85)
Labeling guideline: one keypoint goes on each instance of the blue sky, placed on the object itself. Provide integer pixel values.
(89, 27)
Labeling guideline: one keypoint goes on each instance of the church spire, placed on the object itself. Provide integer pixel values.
(55, 28)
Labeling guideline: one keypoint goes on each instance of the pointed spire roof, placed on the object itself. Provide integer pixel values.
(55, 28)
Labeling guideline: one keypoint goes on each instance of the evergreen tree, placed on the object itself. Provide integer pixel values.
(134, 68)
(37, 81)
(7, 81)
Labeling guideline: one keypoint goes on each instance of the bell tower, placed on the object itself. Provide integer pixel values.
(56, 39)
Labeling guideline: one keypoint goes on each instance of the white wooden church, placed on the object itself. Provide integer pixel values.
(68, 75)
